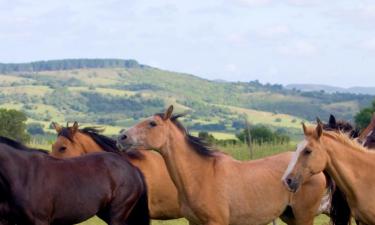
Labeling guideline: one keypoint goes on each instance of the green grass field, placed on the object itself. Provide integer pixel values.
(240, 152)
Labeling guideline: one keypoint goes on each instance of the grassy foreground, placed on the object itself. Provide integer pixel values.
(240, 152)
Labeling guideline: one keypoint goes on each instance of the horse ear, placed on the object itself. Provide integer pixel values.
(168, 113)
(57, 127)
(75, 127)
(318, 121)
(319, 130)
(332, 120)
(304, 128)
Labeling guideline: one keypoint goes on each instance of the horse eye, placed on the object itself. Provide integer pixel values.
(153, 124)
(62, 149)
(307, 151)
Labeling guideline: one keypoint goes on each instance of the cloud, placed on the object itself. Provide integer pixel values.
(231, 67)
(368, 44)
(273, 31)
(252, 3)
(298, 48)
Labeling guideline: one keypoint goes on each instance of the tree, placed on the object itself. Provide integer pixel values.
(363, 117)
(207, 137)
(35, 128)
(13, 125)
(262, 134)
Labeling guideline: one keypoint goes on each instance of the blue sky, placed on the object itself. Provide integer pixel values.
(277, 41)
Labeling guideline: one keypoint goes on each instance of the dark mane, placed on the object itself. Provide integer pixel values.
(106, 143)
(341, 125)
(198, 144)
(19, 146)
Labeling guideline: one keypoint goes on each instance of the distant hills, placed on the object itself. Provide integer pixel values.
(332, 89)
(119, 92)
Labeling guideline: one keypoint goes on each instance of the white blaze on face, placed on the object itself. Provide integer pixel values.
(302, 145)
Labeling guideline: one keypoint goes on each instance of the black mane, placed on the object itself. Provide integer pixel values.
(106, 143)
(19, 146)
(341, 125)
(198, 144)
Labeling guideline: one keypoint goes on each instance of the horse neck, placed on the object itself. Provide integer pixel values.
(88, 144)
(343, 164)
(11, 160)
(187, 169)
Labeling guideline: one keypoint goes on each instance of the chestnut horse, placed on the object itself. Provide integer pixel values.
(162, 194)
(215, 189)
(367, 136)
(37, 189)
(348, 163)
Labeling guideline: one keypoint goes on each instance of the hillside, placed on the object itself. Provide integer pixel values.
(331, 89)
(119, 92)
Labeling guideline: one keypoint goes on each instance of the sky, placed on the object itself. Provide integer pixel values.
(277, 41)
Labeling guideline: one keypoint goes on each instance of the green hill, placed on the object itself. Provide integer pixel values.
(119, 92)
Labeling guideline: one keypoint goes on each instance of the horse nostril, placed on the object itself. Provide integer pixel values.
(123, 137)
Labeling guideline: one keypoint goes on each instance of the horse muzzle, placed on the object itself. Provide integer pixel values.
(292, 184)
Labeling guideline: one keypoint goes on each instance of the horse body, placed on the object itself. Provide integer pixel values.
(162, 194)
(215, 189)
(42, 190)
(348, 163)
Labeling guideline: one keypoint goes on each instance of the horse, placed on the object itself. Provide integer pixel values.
(341, 125)
(339, 208)
(367, 136)
(162, 194)
(348, 163)
(38, 189)
(370, 140)
(368, 130)
(215, 189)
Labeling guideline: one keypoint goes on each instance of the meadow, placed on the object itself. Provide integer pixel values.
(240, 152)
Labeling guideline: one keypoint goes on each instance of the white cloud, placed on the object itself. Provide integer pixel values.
(231, 67)
(298, 48)
(252, 3)
(368, 44)
(273, 31)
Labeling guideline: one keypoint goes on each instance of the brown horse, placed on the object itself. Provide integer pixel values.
(367, 136)
(342, 126)
(346, 161)
(163, 203)
(37, 189)
(368, 130)
(215, 189)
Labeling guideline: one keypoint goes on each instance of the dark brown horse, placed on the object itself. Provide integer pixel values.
(162, 194)
(341, 125)
(37, 189)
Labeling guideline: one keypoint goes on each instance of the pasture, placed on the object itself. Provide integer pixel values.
(240, 152)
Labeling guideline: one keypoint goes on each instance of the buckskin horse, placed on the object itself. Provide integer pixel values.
(37, 189)
(162, 194)
(215, 189)
(348, 163)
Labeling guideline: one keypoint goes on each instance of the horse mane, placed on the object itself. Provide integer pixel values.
(19, 146)
(106, 143)
(343, 126)
(199, 145)
(344, 139)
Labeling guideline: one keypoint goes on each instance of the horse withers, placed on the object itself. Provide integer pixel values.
(38, 189)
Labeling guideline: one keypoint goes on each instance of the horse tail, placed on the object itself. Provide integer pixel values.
(340, 212)
(140, 214)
